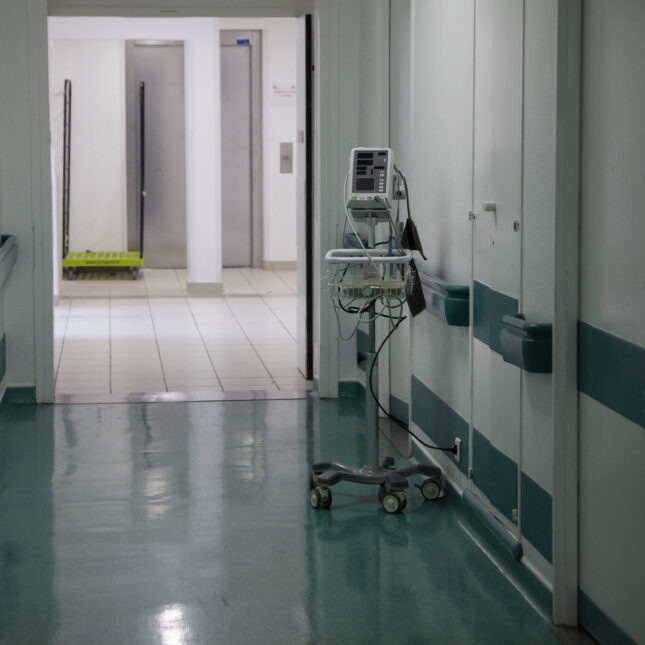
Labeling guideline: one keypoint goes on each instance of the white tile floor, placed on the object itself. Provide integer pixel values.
(172, 282)
(167, 341)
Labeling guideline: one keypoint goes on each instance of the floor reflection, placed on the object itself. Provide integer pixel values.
(28, 604)
(182, 523)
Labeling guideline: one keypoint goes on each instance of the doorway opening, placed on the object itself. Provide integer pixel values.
(216, 199)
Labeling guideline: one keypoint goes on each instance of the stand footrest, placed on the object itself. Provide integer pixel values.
(392, 483)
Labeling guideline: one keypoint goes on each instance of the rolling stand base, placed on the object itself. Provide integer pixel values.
(392, 482)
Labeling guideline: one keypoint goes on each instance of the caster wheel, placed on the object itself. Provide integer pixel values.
(320, 497)
(431, 489)
(312, 481)
(393, 502)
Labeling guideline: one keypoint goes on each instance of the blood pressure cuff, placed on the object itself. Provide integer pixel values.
(416, 300)
(410, 238)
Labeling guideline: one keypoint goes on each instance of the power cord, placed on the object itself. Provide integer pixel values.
(401, 318)
(402, 424)
(407, 192)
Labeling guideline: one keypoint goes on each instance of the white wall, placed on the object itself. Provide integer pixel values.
(441, 148)
(482, 127)
(400, 84)
(352, 87)
(612, 299)
(278, 125)
(202, 109)
(25, 209)
(98, 170)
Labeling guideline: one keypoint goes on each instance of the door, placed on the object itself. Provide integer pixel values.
(241, 148)
(160, 65)
(497, 194)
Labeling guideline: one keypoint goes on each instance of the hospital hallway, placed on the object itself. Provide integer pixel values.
(190, 523)
(243, 243)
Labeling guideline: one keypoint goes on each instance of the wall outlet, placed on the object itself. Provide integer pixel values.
(457, 454)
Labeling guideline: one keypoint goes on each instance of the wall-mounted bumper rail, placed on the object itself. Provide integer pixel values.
(8, 255)
(451, 302)
(527, 344)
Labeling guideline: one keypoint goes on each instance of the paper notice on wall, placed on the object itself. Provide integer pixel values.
(283, 94)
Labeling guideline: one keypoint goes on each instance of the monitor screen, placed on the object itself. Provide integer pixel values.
(365, 183)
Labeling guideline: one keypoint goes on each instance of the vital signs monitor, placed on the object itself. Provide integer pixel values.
(370, 179)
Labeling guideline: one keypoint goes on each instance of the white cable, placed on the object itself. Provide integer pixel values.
(340, 330)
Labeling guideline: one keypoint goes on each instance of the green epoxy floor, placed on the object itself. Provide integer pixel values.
(177, 523)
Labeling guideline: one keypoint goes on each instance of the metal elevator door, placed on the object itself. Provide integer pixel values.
(160, 65)
(241, 151)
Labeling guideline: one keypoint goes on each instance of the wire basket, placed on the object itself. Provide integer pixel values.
(368, 273)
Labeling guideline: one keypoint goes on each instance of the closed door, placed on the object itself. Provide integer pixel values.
(240, 92)
(160, 66)
(497, 247)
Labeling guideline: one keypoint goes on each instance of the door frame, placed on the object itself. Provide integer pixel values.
(41, 187)
(309, 192)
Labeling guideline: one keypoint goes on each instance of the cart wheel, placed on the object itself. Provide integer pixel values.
(394, 502)
(134, 272)
(320, 497)
(431, 488)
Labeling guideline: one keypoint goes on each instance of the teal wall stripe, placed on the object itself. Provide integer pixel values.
(399, 409)
(438, 420)
(481, 312)
(518, 571)
(3, 356)
(612, 371)
(362, 345)
(598, 624)
(536, 515)
(495, 474)
(489, 306)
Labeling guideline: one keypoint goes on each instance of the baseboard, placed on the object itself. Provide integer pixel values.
(498, 549)
(279, 265)
(599, 624)
(205, 288)
(350, 389)
(505, 537)
(20, 394)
